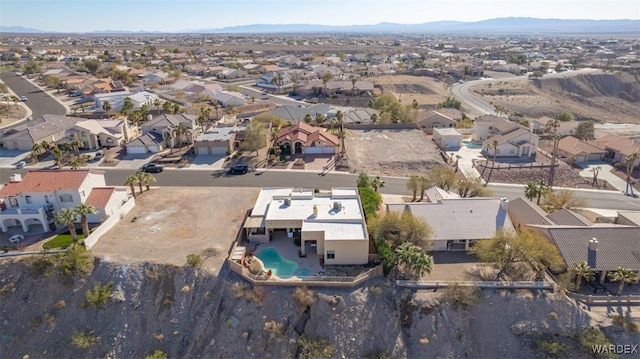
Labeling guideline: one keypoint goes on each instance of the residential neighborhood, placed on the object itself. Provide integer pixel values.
(330, 174)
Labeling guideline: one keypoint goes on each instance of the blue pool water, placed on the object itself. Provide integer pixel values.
(304, 272)
(471, 144)
(280, 266)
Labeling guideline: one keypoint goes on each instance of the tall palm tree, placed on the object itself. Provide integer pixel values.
(35, 150)
(377, 183)
(147, 179)
(75, 164)
(139, 175)
(83, 210)
(353, 80)
(374, 118)
(326, 77)
(127, 106)
(624, 276)
(157, 104)
(57, 155)
(106, 106)
(412, 259)
(536, 190)
(131, 181)
(413, 183)
(176, 108)
(307, 118)
(320, 118)
(167, 107)
(68, 217)
(168, 136)
(582, 270)
(595, 170)
(554, 157)
(216, 106)
(629, 161)
(423, 184)
(45, 146)
(495, 152)
(76, 143)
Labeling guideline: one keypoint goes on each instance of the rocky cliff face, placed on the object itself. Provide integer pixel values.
(191, 314)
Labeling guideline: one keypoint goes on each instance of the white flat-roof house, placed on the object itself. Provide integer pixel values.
(333, 222)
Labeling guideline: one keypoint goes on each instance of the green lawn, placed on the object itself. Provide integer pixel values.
(61, 241)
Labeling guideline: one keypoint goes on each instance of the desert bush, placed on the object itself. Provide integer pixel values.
(461, 296)
(551, 347)
(49, 318)
(35, 322)
(75, 262)
(588, 338)
(375, 290)
(314, 349)
(194, 260)
(304, 296)
(625, 323)
(6, 288)
(61, 304)
(84, 339)
(42, 265)
(255, 267)
(275, 330)
(99, 296)
(238, 289)
(255, 294)
(157, 354)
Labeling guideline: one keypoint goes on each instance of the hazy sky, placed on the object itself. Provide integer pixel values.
(172, 15)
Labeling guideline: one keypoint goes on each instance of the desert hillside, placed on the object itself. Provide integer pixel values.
(607, 97)
(188, 313)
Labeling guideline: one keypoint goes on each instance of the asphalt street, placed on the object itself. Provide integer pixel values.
(268, 178)
(38, 101)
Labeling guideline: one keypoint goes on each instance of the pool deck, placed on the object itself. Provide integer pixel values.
(288, 250)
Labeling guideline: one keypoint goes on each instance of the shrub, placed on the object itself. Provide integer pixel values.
(275, 330)
(99, 296)
(255, 267)
(76, 261)
(35, 322)
(386, 254)
(83, 339)
(588, 338)
(551, 347)
(371, 200)
(375, 290)
(238, 289)
(625, 323)
(314, 349)
(304, 296)
(194, 260)
(6, 289)
(49, 318)
(61, 304)
(461, 296)
(42, 265)
(157, 354)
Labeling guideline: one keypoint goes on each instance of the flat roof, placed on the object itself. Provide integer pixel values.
(264, 198)
(219, 134)
(447, 131)
(337, 230)
(302, 209)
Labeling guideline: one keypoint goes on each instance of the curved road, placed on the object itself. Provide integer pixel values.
(464, 93)
(40, 102)
(393, 185)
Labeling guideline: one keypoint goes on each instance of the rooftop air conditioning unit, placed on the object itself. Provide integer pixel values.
(287, 201)
(337, 206)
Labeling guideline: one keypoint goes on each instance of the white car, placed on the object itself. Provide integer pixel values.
(16, 238)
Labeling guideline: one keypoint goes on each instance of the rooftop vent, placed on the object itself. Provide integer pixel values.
(337, 206)
(16, 177)
(315, 210)
(287, 201)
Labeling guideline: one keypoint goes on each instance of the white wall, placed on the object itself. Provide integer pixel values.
(109, 223)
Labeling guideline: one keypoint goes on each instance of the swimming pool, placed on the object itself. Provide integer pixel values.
(473, 145)
(279, 265)
(304, 272)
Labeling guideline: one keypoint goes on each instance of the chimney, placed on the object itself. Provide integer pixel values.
(16, 177)
(592, 253)
(315, 210)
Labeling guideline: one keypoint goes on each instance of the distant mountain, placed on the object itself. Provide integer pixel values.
(509, 25)
(19, 30)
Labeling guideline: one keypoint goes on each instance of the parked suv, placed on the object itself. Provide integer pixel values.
(239, 169)
(152, 168)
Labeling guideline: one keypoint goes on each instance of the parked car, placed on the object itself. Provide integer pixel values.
(24, 98)
(152, 168)
(75, 94)
(99, 154)
(16, 238)
(21, 164)
(239, 169)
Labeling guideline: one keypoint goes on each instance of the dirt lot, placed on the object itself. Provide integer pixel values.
(169, 223)
(391, 152)
(425, 90)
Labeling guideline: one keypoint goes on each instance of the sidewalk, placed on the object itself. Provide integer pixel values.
(605, 175)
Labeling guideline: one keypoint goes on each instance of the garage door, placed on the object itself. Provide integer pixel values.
(202, 150)
(218, 151)
(451, 143)
(136, 149)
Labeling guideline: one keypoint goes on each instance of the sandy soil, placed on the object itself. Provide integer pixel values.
(425, 90)
(391, 152)
(169, 223)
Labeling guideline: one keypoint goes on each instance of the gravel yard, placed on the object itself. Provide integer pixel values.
(391, 152)
(169, 223)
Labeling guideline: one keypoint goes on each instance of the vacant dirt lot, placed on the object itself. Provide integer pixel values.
(169, 223)
(391, 152)
(425, 90)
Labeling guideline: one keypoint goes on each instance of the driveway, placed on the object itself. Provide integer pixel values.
(208, 162)
(465, 162)
(9, 158)
(604, 175)
(134, 162)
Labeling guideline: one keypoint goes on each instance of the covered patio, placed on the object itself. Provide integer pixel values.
(285, 246)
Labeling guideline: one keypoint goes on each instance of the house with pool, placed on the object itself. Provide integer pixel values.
(330, 225)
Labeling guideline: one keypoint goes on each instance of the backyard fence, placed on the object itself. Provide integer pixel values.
(413, 284)
(93, 238)
(508, 166)
(631, 300)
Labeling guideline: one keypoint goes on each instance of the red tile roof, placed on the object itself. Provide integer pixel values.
(46, 181)
(99, 196)
(307, 134)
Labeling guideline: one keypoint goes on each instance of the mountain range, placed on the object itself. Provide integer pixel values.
(510, 25)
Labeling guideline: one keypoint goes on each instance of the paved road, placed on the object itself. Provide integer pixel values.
(39, 102)
(394, 185)
(464, 93)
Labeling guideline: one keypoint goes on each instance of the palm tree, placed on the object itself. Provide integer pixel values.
(412, 259)
(216, 106)
(76, 143)
(582, 270)
(131, 181)
(35, 150)
(139, 175)
(106, 106)
(413, 184)
(157, 104)
(423, 183)
(147, 178)
(67, 217)
(624, 276)
(377, 183)
(83, 210)
(308, 118)
(353, 80)
(595, 170)
(167, 107)
(629, 161)
(45, 146)
(176, 108)
(495, 152)
(536, 190)
(75, 164)
(127, 106)
(326, 77)
(320, 118)
(374, 118)
(57, 155)
(403, 255)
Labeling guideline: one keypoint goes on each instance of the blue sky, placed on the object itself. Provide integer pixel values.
(174, 15)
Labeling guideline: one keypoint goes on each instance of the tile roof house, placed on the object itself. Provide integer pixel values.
(293, 114)
(332, 225)
(518, 142)
(526, 214)
(570, 146)
(428, 120)
(306, 139)
(618, 148)
(158, 133)
(458, 222)
(36, 199)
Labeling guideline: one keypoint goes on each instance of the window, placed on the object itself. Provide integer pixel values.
(46, 198)
(331, 254)
(13, 202)
(109, 140)
(28, 199)
(66, 198)
(512, 151)
(81, 193)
